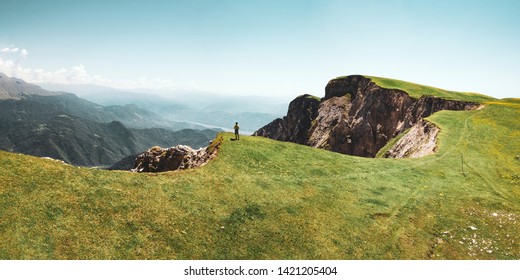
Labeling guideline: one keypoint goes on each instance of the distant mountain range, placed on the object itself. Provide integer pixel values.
(13, 88)
(61, 125)
(192, 106)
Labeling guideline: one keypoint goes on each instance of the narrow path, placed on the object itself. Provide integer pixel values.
(415, 194)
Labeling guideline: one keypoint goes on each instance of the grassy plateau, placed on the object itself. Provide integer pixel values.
(416, 90)
(264, 199)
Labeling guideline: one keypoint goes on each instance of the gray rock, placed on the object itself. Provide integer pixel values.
(159, 159)
(418, 142)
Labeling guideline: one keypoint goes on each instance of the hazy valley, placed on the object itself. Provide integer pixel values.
(199, 108)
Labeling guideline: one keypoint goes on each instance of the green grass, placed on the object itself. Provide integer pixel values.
(264, 199)
(416, 90)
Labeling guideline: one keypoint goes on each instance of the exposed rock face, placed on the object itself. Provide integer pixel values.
(295, 126)
(159, 159)
(356, 116)
(418, 142)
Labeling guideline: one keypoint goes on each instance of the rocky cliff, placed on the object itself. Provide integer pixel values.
(356, 116)
(295, 126)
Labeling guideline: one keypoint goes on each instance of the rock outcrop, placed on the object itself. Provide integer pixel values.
(159, 159)
(356, 116)
(418, 142)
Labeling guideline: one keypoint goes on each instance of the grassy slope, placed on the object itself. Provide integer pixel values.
(416, 90)
(263, 199)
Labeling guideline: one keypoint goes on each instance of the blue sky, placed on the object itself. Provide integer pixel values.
(275, 48)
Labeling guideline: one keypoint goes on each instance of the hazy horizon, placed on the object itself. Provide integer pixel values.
(85, 90)
(262, 48)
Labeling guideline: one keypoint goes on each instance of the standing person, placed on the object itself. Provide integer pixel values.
(236, 127)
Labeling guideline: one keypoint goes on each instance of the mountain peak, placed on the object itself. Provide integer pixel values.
(14, 88)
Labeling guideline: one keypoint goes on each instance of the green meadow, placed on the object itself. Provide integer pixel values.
(416, 90)
(264, 199)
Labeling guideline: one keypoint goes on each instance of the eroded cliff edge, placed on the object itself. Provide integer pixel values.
(356, 116)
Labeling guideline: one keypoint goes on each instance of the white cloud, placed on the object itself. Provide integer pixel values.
(9, 50)
(11, 65)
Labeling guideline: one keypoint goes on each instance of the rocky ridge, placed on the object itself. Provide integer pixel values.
(159, 159)
(355, 117)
